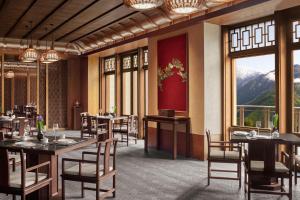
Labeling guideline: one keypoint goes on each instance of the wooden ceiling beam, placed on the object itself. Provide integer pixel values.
(45, 18)
(92, 20)
(126, 29)
(2, 4)
(137, 24)
(106, 25)
(150, 20)
(115, 32)
(163, 12)
(184, 24)
(69, 19)
(19, 18)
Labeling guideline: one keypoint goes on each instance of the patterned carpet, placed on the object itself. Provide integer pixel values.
(156, 177)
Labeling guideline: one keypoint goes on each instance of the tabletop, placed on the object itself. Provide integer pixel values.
(284, 138)
(165, 118)
(32, 145)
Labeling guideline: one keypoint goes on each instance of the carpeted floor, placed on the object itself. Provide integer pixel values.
(156, 177)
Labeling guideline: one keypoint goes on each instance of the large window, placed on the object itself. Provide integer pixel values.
(145, 67)
(296, 65)
(129, 87)
(110, 83)
(254, 90)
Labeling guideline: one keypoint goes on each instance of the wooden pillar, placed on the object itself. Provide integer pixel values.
(28, 87)
(47, 97)
(12, 103)
(242, 116)
(2, 83)
(227, 113)
(38, 87)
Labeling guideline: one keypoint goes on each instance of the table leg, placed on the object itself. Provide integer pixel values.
(188, 139)
(146, 136)
(158, 136)
(174, 141)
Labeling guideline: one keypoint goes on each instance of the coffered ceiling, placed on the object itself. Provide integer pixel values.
(83, 26)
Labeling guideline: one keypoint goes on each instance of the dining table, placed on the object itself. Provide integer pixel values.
(109, 120)
(271, 145)
(38, 152)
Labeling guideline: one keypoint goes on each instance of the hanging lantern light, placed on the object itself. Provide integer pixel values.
(143, 4)
(30, 54)
(185, 6)
(10, 74)
(52, 55)
(44, 59)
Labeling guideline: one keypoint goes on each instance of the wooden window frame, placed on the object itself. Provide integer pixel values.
(131, 70)
(106, 74)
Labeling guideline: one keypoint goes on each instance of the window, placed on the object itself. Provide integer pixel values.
(296, 32)
(254, 90)
(296, 66)
(145, 67)
(252, 36)
(129, 89)
(110, 83)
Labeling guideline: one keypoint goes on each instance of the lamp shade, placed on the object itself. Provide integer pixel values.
(143, 4)
(30, 55)
(10, 74)
(52, 56)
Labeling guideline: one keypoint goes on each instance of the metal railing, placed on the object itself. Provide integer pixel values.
(247, 115)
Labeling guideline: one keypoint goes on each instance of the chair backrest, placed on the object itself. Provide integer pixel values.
(208, 137)
(262, 150)
(5, 171)
(133, 123)
(110, 147)
(1, 136)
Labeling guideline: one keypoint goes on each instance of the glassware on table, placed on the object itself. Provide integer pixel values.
(27, 130)
(55, 128)
(258, 126)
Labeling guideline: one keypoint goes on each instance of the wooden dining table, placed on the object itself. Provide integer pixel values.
(270, 145)
(41, 152)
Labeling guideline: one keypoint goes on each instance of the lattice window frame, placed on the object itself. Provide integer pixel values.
(250, 36)
(110, 64)
(145, 57)
(296, 31)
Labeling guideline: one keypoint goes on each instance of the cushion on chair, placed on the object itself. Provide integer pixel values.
(15, 179)
(259, 166)
(218, 154)
(297, 158)
(87, 169)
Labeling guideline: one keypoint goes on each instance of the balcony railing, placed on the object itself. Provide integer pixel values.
(247, 115)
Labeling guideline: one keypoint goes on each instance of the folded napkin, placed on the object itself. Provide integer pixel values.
(240, 133)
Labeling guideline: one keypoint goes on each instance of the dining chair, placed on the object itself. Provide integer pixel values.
(93, 170)
(262, 169)
(14, 158)
(296, 165)
(93, 128)
(25, 181)
(223, 152)
(127, 127)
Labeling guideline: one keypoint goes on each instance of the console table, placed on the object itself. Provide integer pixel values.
(168, 120)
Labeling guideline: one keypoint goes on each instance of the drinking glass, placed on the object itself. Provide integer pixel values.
(258, 126)
(27, 129)
(55, 128)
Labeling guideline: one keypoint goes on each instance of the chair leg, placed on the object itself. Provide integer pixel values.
(23, 197)
(295, 173)
(281, 184)
(208, 173)
(14, 197)
(82, 190)
(290, 186)
(114, 186)
(249, 186)
(127, 138)
(97, 190)
(240, 175)
(63, 195)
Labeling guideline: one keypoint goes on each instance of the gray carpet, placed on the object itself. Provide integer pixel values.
(156, 177)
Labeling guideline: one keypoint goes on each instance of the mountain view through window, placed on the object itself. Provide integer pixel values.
(255, 90)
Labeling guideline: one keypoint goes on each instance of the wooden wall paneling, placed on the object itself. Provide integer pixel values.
(141, 96)
(84, 83)
(28, 87)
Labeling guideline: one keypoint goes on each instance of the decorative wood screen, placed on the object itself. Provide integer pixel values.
(252, 36)
(109, 64)
(296, 31)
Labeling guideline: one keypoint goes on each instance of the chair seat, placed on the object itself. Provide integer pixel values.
(87, 169)
(258, 166)
(297, 159)
(230, 155)
(15, 179)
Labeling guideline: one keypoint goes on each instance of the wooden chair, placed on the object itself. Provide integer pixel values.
(218, 153)
(92, 128)
(261, 169)
(25, 181)
(93, 171)
(296, 165)
(127, 127)
(14, 158)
